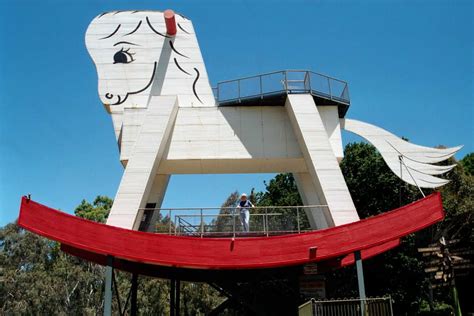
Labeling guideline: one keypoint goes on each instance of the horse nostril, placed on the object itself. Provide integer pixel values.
(109, 96)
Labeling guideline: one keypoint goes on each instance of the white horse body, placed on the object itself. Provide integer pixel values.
(166, 121)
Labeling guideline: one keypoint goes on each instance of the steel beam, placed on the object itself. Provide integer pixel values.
(360, 281)
(108, 286)
(133, 306)
(172, 297)
(178, 297)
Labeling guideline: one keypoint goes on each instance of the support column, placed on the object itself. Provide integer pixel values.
(134, 289)
(157, 194)
(108, 286)
(172, 297)
(318, 218)
(360, 281)
(178, 297)
(140, 172)
(320, 158)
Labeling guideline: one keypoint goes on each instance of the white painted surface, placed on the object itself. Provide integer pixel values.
(157, 193)
(141, 168)
(320, 159)
(330, 116)
(233, 133)
(222, 140)
(151, 63)
(132, 121)
(417, 168)
(318, 217)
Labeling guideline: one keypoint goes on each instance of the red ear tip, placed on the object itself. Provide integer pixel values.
(170, 22)
(168, 14)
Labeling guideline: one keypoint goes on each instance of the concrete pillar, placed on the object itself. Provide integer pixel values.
(157, 194)
(360, 281)
(134, 290)
(108, 286)
(319, 218)
(140, 172)
(320, 159)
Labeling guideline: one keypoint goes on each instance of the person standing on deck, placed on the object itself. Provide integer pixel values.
(244, 208)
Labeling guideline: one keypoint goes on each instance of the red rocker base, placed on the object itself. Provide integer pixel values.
(94, 242)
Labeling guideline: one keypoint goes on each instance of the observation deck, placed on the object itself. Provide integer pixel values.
(225, 221)
(273, 87)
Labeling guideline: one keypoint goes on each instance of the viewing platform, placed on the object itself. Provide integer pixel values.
(271, 89)
(225, 221)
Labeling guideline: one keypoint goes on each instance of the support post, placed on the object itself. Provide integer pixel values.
(202, 225)
(108, 286)
(265, 222)
(172, 297)
(133, 306)
(360, 281)
(298, 219)
(233, 222)
(178, 298)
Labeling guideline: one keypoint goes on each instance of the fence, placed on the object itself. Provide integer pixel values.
(378, 306)
(279, 82)
(225, 221)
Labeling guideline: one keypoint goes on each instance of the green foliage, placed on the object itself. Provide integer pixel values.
(225, 222)
(373, 187)
(468, 164)
(38, 279)
(199, 298)
(440, 309)
(458, 201)
(280, 191)
(98, 211)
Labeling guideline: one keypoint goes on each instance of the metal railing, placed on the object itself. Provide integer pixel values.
(226, 221)
(282, 82)
(377, 306)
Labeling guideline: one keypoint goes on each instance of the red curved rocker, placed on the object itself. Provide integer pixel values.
(95, 241)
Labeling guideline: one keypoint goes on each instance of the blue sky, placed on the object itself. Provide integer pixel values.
(409, 65)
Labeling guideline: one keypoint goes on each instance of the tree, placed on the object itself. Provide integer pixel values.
(225, 220)
(468, 164)
(98, 211)
(373, 187)
(40, 279)
(282, 191)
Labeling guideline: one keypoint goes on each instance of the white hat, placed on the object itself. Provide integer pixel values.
(244, 194)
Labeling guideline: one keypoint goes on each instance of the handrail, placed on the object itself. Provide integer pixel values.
(339, 300)
(222, 215)
(229, 207)
(208, 221)
(243, 88)
(281, 71)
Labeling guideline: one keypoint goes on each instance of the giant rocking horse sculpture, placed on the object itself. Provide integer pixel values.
(167, 120)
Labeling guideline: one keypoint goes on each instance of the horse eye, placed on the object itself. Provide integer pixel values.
(123, 57)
